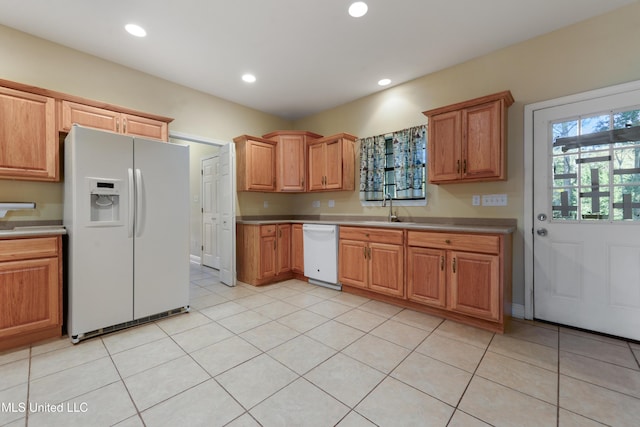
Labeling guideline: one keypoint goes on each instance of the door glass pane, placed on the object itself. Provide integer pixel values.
(563, 130)
(626, 203)
(565, 203)
(565, 172)
(594, 178)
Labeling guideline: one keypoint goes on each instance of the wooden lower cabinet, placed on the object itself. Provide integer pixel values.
(475, 284)
(297, 249)
(263, 253)
(30, 290)
(372, 259)
(283, 248)
(426, 277)
(464, 274)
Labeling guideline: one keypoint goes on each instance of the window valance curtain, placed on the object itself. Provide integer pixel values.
(405, 162)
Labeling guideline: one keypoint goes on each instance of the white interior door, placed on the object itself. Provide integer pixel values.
(586, 206)
(227, 209)
(210, 212)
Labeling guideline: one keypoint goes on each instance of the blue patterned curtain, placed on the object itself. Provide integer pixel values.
(372, 164)
(403, 155)
(409, 148)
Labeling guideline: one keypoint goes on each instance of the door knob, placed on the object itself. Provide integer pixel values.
(541, 232)
(542, 217)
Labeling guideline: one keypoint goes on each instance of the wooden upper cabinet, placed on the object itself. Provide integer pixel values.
(105, 119)
(467, 141)
(28, 139)
(255, 159)
(331, 163)
(291, 158)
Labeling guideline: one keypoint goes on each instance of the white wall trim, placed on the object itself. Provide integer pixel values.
(195, 259)
(529, 111)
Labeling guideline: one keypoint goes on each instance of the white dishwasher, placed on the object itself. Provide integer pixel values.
(320, 244)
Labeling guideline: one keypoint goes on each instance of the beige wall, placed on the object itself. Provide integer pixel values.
(37, 62)
(599, 52)
(596, 53)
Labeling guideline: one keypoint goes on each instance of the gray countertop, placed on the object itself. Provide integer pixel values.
(418, 226)
(33, 231)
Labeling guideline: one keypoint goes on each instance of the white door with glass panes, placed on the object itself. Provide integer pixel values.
(586, 225)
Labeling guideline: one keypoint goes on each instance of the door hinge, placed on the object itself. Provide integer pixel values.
(201, 171)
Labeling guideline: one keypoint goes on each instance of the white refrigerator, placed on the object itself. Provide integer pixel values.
(126, 211)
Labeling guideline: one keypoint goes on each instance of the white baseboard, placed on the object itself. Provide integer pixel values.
(195, 259)
(517, 311)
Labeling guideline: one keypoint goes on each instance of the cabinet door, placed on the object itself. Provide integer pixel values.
(333, 165)
(260, 166)
(475, 284)
(386, 269)
(291, 164)
(445, 138)
(352, 264)
(29, 296)
(267, 256)
(426, 278)
(316, 166)
(284, 248)
(28, 138)
(144, 127)
(482, 151)
(89, 116)
(297, 249)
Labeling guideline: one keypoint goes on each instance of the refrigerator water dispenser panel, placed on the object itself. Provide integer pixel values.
(104, 200)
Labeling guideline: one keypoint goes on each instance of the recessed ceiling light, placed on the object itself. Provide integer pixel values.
(358, 9)
(249, 78)
(384, 82)
(135, 30)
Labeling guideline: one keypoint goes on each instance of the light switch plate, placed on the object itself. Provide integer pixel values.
(332, 203)
(315, 203)
(266, 204)
(475, 200)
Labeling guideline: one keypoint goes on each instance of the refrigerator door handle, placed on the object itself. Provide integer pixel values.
(130, 223)
(138, 202)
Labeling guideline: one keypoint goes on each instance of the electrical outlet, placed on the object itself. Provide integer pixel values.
(494, 200)
(266, 204)
(332, 203)
(315, 203)
(475, 200)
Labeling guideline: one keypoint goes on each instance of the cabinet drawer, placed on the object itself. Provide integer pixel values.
(463, 242)
(378, 235)
(268, 230)
(40, 247)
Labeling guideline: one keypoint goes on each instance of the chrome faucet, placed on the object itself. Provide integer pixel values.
(392, 217)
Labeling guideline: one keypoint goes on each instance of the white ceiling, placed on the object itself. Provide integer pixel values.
(307, 55)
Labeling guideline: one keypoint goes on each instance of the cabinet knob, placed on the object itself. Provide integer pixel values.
(448, 242)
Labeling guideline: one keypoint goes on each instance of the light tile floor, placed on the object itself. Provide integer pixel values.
(293, 354)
